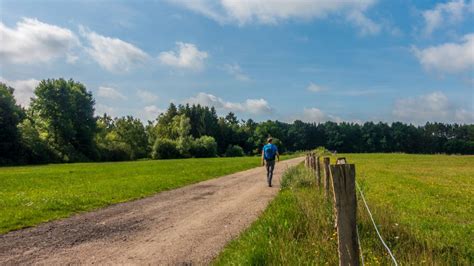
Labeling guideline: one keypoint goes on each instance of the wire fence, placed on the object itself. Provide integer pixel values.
(342, 178)
(376, 228)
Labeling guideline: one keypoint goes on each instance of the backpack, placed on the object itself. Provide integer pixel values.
(269, 152)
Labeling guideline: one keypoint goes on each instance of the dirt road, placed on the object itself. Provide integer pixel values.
(187, 225)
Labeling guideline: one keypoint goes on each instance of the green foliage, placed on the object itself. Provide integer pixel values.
(165, 149)
(35, 148)
(322, 151)
(121, 139)
(204, 146)
(115, 151)
(164, 126)
(63, 111)
(131, 131)
(10, 116)
(61, 119)
(234, 151)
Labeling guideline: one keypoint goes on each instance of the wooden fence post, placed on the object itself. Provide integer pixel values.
(327, 177)
(318, 171)
(343, 178)
(341, 160)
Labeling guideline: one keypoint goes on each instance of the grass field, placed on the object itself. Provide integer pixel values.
(30, 195)
(423, 205)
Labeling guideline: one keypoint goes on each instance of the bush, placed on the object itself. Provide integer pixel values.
(234, 151)
(204, 146)
(115, 151)
(322, 151)
(165, 149)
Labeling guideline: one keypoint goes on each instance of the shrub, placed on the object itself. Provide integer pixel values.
(204, 146)
(115, 151)
(322, 151)
(234, 151)
(165, 149)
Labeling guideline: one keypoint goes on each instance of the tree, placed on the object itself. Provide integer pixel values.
(10, 116)
(123, 138)
(164, 127)
(64, 112)
(181, 128)
(131, 131)
(35, 147)
(231, 119)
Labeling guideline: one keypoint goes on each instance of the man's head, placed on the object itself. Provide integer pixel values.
(269, 140)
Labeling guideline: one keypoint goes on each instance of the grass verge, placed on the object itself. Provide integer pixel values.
(30, 195)
(293, 230)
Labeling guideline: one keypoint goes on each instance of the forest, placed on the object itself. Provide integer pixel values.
(60, 125)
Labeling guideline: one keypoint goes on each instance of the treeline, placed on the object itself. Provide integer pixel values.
(59, 126)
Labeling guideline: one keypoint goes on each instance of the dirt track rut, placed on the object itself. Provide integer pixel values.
(182, 226)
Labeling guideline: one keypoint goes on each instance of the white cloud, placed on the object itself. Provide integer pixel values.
(448, 13)
(187, 56)
(113, 54)
(101, 109)
(151, 112)
(33, 41)
(253, 106)
(236, 71)
(242, 12)
(365, 24)
(24, 89)
(448, 57)
(110, 93)
(256, 106)
(147, 96)
(314, 88)
(433, 107)
(315, 115)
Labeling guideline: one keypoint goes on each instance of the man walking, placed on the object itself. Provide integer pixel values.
(269, 152)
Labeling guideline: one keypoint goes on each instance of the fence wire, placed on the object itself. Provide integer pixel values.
(375, 226)
(360, 247)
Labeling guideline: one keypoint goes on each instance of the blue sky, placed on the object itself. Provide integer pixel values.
(410, 61)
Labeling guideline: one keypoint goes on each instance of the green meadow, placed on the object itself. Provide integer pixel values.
(422, 204)
(30, 195)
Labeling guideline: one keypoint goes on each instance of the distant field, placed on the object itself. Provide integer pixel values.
(423, 205)
(33, 194)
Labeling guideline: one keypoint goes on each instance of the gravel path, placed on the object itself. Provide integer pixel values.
(189, 225)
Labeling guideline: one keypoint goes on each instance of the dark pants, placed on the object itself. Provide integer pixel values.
(270, 166)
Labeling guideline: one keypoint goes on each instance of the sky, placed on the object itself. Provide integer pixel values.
(316, 61)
